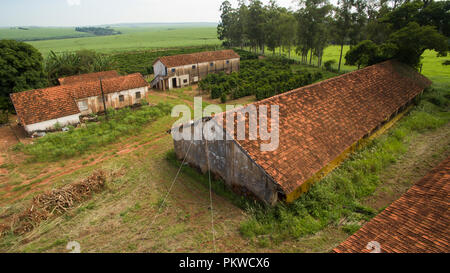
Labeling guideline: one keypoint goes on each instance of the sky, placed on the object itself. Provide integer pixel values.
(99, 12)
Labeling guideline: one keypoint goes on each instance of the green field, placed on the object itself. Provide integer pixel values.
(432, 65)
(37, 33)
(134, 38)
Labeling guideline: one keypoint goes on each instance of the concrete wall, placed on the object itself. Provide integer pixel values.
(95, 104)
(228, 161)
(49, 124)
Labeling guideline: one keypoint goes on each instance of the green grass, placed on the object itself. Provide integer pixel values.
(38, 33)
(123, 122)
(133, 39)
(339, 195)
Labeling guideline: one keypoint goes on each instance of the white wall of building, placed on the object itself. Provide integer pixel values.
(50, 124)
(159, 69)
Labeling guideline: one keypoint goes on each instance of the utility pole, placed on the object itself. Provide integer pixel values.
(103, 99)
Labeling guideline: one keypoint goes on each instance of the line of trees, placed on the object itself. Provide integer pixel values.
(98, 31)
(318, 23)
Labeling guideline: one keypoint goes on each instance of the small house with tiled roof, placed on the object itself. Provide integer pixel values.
(418, 222)
(319, 125)
(185, 69)
(42, 109)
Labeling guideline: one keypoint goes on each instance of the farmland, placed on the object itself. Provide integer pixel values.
(131, 39)
(130, 215)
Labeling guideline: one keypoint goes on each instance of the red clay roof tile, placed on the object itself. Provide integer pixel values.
(43, 104)
(199, 57)
(418, 222)
(320, 121)
(49, 103)
(88, 77)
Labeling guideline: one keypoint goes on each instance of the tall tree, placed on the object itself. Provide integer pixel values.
(224, 29)
(255, 25)
(343, 23)
(20, 69)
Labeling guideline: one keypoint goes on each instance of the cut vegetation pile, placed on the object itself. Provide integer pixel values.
(55, 202)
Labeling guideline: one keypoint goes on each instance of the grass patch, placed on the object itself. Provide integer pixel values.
(339, 195)
(123, 122)
(218, 186)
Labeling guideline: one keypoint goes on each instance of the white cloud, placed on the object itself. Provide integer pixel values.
(73, 3)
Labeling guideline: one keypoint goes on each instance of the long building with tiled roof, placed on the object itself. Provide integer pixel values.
(184, 69)
(418, 222)
(41, 109)
(96, 76)
(319, 125)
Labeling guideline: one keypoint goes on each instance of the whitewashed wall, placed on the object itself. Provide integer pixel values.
(96, 105)
(159, 69)
(49, 124)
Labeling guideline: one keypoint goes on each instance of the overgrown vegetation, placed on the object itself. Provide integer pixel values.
(263, 78)
(74, 63)
(120, 123)
(338, 196)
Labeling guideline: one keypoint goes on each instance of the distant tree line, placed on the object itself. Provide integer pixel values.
(98, 31)
(375, 29)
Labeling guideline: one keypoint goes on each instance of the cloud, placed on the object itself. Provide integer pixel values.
(72, 3)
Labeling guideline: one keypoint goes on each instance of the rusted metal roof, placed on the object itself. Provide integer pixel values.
(55, 102)
(320, 121)
(199, 57)
(88, 77)
(418, 222)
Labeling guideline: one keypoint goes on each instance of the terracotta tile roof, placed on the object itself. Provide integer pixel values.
(418, 222)
(111, 85)
(88, 77)
(43, 104)
(199, 57)
(320, 121)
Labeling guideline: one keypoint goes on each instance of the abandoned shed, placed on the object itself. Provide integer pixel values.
(418, 222)
(319, 125)
(185, 69)
(42, 109)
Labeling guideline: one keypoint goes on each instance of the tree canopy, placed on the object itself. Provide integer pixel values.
(20, 69)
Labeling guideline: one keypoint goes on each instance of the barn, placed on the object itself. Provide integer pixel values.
(319, 126)
(185, 69)
(42, 109)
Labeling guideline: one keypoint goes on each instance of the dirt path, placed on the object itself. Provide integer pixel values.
(424, 153)
(60, 171)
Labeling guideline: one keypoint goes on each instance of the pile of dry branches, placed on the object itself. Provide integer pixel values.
(57, 202)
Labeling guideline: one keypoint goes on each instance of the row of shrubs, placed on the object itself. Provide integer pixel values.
(262, 78)
(126, 121)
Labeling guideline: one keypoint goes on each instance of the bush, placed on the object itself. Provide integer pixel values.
(329, 65)
(262, 78)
